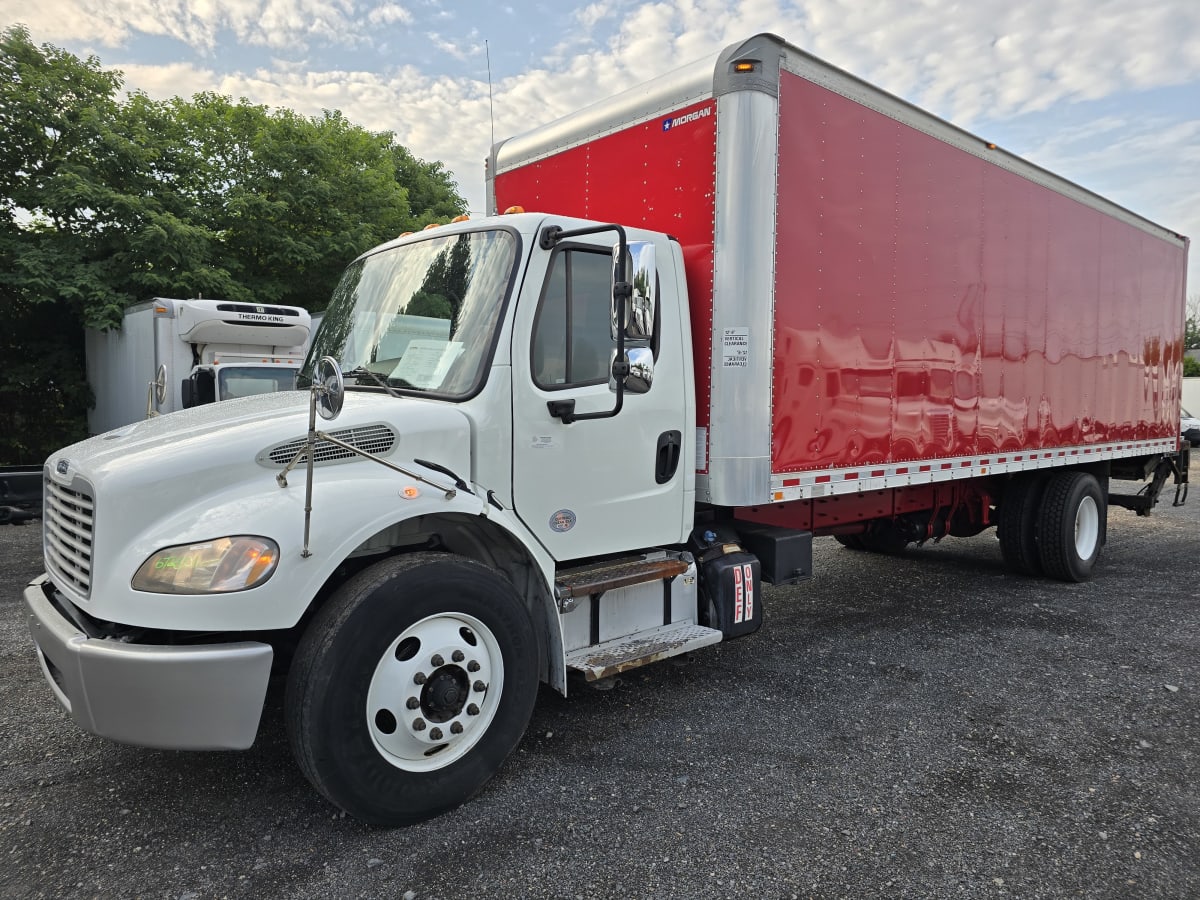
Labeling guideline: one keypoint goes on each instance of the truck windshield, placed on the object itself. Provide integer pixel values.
(246, 381)
(420, 316)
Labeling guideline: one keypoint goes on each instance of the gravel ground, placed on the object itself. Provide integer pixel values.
(928, 726)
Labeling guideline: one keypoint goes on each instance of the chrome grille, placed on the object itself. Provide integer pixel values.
(376, 439)
(67, 535)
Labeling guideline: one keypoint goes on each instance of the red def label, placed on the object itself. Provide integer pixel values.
(738, 596)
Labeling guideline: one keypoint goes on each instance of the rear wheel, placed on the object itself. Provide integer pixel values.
(1018, 524)
(411, 686)
(1071, 526)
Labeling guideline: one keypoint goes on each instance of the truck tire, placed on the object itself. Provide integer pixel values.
(411, 686)
(1071, 526)
(850, 541)
(1018, 525)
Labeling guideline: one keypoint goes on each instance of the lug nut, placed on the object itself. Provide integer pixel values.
(418, 725)
(437, 660)
(472, 710)
(456, 728)
(472, 666)
(413, 703)
(435, 734)
(457, 656)
(420, 678)
(480, 687)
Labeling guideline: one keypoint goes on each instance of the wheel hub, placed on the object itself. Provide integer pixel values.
(435, 691)
(445, 694)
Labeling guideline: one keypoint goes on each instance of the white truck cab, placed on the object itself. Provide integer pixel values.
(430, 586)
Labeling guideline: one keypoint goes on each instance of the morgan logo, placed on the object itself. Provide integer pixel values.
(743, 593)
(686, 118)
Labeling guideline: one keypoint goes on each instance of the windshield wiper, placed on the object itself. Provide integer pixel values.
(363, 370)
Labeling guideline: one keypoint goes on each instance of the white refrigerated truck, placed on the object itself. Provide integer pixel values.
(206, 350)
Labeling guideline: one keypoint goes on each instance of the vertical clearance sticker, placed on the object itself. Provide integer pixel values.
(735, 348)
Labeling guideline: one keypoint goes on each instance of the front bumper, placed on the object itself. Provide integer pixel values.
(196, 697)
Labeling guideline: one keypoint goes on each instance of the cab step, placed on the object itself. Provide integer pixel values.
(596, 578)
(625, 653)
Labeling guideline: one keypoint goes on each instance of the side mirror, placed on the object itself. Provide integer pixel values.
(639, 307)
(187, 389)
(641, 370)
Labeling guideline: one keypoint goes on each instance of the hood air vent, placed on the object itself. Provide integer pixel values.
(377, 439)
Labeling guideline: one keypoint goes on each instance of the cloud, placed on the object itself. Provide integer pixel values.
(979, 65)
(389, 14)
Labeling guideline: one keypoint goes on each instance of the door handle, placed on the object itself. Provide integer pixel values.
(666, 460)
(564, 410)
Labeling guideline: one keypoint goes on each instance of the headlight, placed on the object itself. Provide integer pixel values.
(218, 566)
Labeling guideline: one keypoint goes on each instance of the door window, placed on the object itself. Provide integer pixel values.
(572, 344)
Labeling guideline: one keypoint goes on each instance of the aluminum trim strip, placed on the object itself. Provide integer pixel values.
(739, 438)
(816, 483)
(673, 90)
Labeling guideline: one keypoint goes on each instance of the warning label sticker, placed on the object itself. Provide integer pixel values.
(735, 348)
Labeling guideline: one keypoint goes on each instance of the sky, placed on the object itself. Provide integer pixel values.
(1103, 92)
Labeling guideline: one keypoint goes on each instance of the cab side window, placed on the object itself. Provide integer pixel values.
(572, 344)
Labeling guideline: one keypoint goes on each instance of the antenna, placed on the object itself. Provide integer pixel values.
(491, 112)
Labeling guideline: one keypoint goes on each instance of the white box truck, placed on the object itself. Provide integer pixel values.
(759, 301)
(208, 350)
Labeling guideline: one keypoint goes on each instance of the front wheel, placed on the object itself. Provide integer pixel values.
(411, 686)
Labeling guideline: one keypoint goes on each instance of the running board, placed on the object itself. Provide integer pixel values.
(624, 653)
(608, 576)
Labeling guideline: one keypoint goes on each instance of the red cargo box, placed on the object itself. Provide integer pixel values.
(878, 298)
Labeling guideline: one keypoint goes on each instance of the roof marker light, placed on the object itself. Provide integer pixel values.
(514, 210)
(431, 226)
(460, 219)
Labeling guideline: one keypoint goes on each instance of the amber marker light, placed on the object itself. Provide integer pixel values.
(410, 493)
(743, 67)
(405, 233)
(460, 219)
(514, 210)
(431, 226)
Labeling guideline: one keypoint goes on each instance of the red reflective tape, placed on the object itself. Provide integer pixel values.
(965, 463)
(878, 473)
(821, 479)
(947, 465)
(925, 468)
(851, 476)
(791, 482)
(903, 470)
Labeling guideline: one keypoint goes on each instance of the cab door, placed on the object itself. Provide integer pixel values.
(596, 486)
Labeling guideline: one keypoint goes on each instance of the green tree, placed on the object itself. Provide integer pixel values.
(108, 201)
(432, 194)
(1191, 335)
